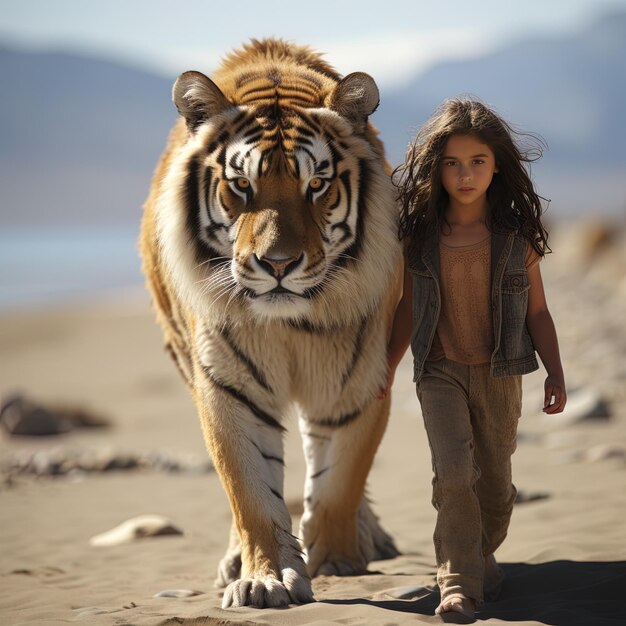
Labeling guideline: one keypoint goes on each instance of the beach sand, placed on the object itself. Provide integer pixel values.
(564, 558)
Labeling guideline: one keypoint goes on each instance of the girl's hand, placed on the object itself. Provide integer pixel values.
(555, 395)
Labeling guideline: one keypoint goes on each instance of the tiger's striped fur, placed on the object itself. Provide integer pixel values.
(269, 242)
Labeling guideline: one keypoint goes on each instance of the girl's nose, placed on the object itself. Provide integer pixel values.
(463, 170)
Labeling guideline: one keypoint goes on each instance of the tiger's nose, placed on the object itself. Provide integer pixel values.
(279, 266)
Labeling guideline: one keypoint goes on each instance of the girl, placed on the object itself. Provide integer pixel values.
(474, 312)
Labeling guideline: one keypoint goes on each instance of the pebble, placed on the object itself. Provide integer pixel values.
(136, 528)
(605, 451)
(567, 457)
(408, 592)
(178, 593)
(563, 439)
(88, 611)
(58, 461)
(524, 496)
(21, 416)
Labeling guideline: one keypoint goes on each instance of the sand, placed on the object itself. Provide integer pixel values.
(564, 558)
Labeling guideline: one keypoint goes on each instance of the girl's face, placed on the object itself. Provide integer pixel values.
(467, 168)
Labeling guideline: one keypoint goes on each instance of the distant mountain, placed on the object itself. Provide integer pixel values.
(79, 137)
(571, 90)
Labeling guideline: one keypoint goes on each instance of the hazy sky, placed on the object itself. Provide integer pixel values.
(388, 38)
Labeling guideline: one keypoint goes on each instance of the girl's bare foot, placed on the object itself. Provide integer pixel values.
(457, 609)
(494, 577)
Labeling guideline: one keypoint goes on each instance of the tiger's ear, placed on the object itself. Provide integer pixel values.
(198, 98)
(356, 97)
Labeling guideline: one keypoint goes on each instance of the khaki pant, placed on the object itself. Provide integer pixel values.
(471, 421)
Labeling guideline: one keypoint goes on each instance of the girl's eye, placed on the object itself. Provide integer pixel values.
(243, 184)
(315, 184)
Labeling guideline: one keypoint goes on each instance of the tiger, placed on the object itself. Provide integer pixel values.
(269, 245)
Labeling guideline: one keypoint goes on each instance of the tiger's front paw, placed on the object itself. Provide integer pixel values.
(341, 566)
(376, 544)
(325, 561)
(268, 591)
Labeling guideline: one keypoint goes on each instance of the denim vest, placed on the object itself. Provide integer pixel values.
(513, 352)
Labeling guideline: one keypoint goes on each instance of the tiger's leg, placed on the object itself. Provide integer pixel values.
(246, 446)
(382, 545)
(340, 533)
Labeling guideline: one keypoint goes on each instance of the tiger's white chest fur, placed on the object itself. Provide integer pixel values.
(326, 375)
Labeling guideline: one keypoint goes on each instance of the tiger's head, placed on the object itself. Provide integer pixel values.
(278, 200)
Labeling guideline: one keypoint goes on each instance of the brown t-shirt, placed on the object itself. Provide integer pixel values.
(465, 330)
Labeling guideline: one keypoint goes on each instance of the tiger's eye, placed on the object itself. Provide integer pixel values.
(242, 183)
(316, 183)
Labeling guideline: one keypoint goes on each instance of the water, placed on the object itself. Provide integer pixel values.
(39, 268)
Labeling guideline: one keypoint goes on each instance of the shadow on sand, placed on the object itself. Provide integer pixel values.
(558, 593)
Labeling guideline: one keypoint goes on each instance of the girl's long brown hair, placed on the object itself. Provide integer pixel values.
(513, 203)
